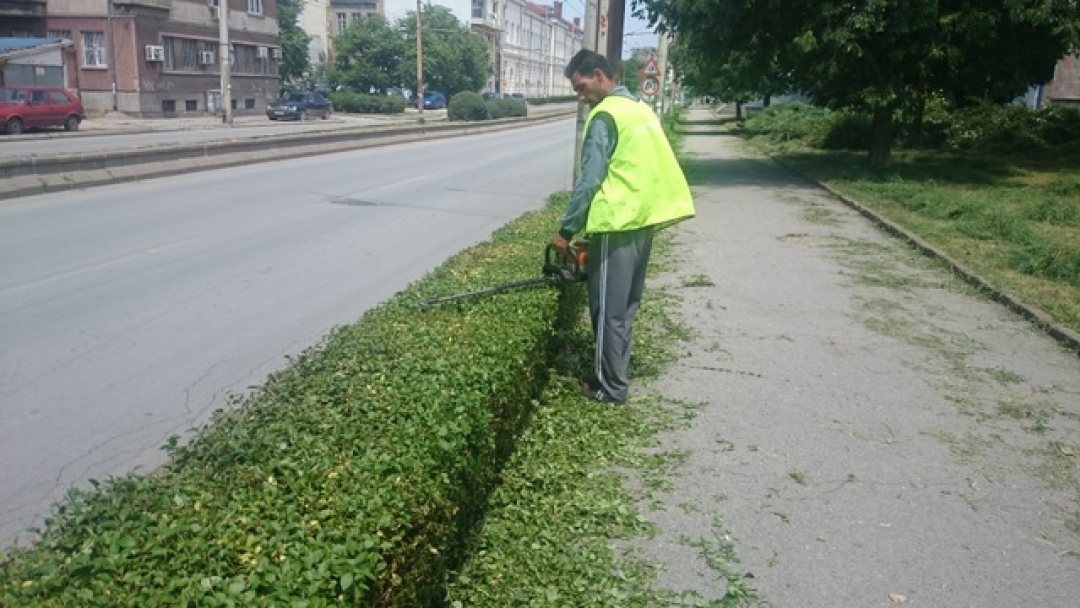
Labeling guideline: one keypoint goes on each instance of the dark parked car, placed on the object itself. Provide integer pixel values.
(30, 107)
(300, 106)
(433, 100)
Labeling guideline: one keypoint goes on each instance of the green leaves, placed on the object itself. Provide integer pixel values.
(352, 477)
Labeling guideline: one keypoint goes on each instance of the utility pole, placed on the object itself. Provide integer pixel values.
(592, 24)
(616, 15)
(419, 63)
(662, 60)
(499, 35)
(224, 55)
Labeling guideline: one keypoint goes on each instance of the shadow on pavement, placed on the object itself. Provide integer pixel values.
(740, 172)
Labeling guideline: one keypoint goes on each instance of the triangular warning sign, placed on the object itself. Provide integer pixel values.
(650, 67)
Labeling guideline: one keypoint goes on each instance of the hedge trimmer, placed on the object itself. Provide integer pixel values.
(558, 269)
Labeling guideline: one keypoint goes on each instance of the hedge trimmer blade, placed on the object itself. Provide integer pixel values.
(557, 270)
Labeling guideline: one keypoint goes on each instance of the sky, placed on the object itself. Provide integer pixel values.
(636, 32)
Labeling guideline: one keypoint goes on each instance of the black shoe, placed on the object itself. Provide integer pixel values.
(597, 394)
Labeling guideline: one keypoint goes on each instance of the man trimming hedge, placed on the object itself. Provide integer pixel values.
(630, 186)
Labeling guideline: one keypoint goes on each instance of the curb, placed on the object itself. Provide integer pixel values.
(1043, 320)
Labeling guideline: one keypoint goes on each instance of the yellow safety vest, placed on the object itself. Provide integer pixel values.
(645, 185)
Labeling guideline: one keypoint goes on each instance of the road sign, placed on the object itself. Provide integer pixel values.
(650, 67)
(650, 86)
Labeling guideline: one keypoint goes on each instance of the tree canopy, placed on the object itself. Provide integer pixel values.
(294, 42)
(368, 55)
(881, 57)
(374, 55)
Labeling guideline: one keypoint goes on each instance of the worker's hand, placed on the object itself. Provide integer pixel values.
(562, 247)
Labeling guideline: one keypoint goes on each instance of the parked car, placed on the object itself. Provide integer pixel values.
(31, 107)
(300, 106)
(433, 100)
(489, 96)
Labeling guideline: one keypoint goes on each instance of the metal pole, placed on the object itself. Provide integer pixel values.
(662, 60)
(419, 63)
(225, 68)
(616, 16)
(592, 9)
(112, 56)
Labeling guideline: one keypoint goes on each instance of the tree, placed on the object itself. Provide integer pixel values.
(369, 56)
(455, 59)
(880, 57)
(294, 43)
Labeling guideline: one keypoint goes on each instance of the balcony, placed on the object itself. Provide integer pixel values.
(22, 8)
(161, 4)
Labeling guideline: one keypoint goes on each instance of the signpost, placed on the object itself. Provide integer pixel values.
(649, 77)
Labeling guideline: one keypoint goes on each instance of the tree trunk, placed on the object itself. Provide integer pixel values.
(767, 102)
(738, 110)
(881, 139)
(914, 138)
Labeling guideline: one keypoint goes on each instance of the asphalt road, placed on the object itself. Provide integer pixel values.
(129, 313)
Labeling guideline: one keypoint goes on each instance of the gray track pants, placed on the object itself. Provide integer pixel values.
(616, 266)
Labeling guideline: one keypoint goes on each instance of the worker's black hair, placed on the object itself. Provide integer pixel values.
(585, 62)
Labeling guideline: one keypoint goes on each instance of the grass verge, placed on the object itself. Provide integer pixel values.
(1013, 219)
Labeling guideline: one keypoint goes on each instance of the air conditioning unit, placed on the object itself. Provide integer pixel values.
(206, 57)
(263, 52)
(275, 53)
(155, 52)
(213, 13)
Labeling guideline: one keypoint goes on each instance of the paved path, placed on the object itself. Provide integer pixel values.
(873, 433)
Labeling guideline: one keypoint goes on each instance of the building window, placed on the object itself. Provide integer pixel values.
(255, 7)
(66, 34)
(249, 104)
(191, 105)
(170, 48)
(478, 9)
(189, 55)
(168, 106)
(342, 23)
(93, 49)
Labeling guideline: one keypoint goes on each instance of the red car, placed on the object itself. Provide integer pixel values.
(30, 107)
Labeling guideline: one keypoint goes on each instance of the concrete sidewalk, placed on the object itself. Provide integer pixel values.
(872, 431)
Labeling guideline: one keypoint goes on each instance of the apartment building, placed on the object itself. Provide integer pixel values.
(529, 42)
(159, 58)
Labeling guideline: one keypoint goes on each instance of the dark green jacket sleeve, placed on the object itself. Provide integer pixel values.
(596, 150)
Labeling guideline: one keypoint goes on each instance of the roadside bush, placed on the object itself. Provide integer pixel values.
(354, 477)
(538, 101)
(1012, 129)
(507, 108)
(467, 105)
(846, 131)
(790, 122)
(359, 103)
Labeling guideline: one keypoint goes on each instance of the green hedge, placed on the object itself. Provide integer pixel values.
(507, 108)
(358, 103)
(467, 106)
(353, 477)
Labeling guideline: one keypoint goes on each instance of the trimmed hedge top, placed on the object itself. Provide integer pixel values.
(350, 478)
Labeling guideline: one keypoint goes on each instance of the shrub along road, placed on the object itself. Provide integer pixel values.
(871, 431)
(859, 428)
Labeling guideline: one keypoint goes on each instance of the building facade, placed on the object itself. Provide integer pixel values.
(323, 20)
(159, 58)
(530, 45)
